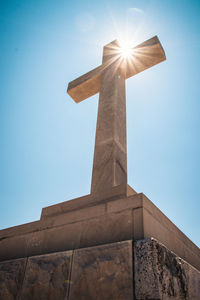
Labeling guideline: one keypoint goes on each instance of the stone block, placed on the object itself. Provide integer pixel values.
(115, 271)
(117, 192)
(160, 274)
(47, 277)
(111, 216)
(157, 225)
(11, 278)
(109, 228)
(102, 273)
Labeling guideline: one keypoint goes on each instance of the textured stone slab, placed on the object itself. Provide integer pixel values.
(116, 217)
(160, 274)
(102, 273)
(47, 277)
(157, 225)
(108, 228)
(11, 278)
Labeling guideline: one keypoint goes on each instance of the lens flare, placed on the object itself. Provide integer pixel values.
(125, 52)
(126, 49)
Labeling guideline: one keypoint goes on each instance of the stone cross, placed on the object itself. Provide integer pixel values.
(110, 154)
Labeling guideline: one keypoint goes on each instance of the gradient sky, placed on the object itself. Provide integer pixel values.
(47, 140)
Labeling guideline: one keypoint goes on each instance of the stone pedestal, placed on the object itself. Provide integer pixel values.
(124, 270)
(115, 215)
(83, 249)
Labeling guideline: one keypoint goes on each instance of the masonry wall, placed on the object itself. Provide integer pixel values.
(122, 270)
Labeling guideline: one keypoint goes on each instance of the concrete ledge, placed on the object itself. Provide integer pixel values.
(118, 192)
(71, 211)
(106, 220)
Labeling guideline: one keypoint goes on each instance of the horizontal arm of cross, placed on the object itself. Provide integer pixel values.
(85, 86)
(144, 56)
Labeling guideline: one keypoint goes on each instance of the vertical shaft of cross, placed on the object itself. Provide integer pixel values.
(110, 154)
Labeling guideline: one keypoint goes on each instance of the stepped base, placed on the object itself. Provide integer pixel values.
(116, 215)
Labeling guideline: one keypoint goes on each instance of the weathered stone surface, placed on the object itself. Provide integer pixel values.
(116, 217)
(102, 273)
(11, 278)
(47, 277)
(160, 274)
(109, 228)
(157, 225)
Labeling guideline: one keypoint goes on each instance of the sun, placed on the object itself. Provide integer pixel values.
(125, 50)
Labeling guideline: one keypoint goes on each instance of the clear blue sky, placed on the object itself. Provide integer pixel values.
(47, 140)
